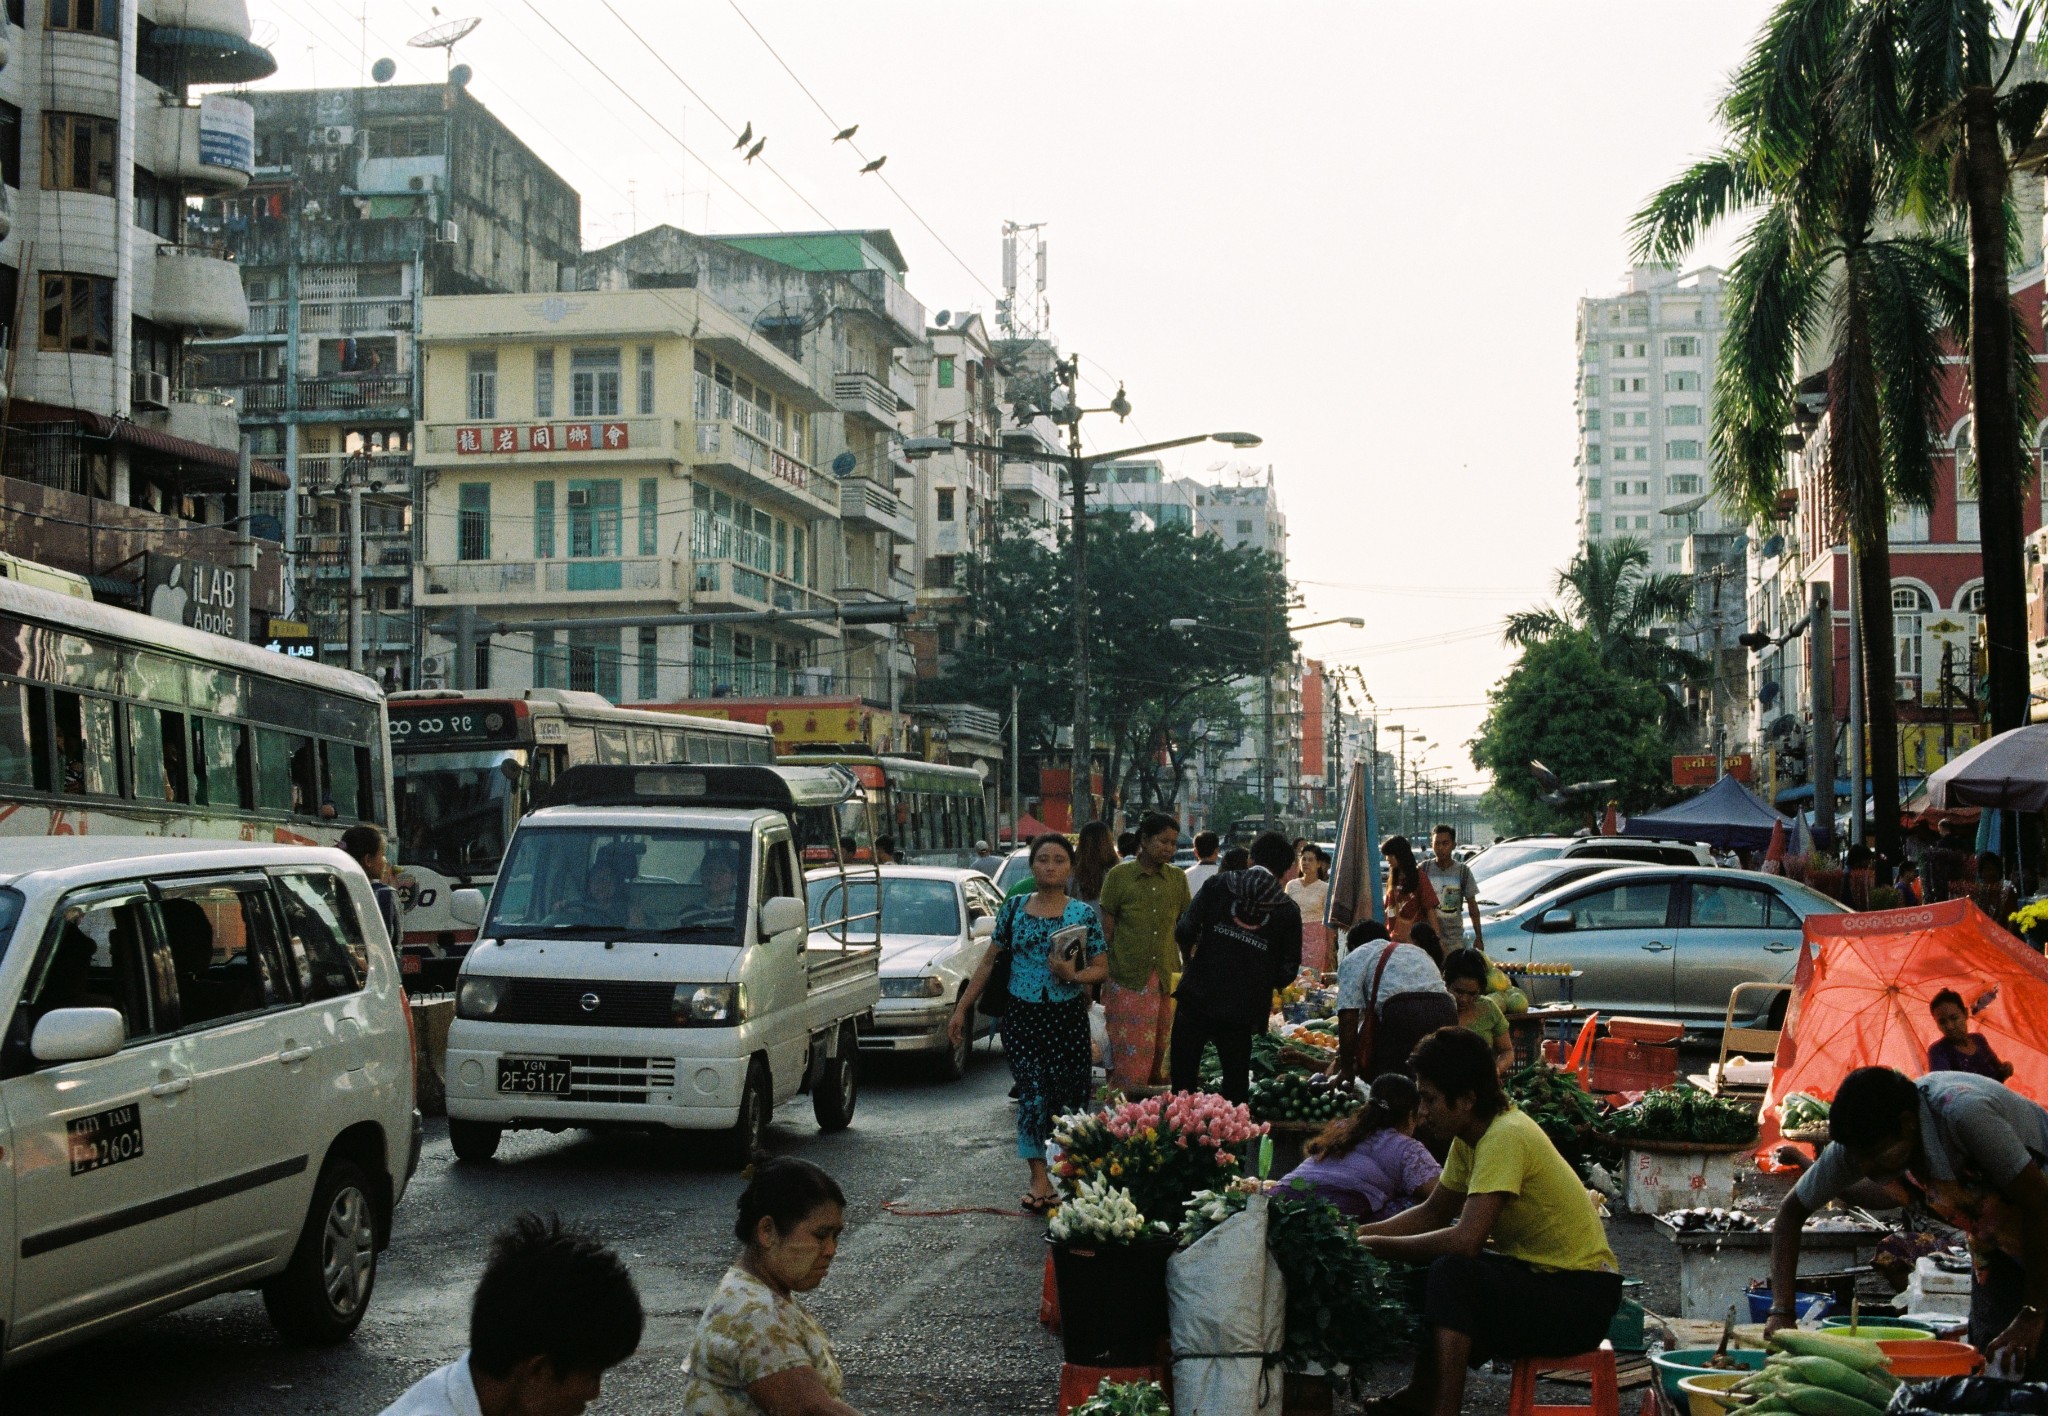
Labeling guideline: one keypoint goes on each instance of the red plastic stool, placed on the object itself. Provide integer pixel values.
(1049, 1298)
(1078, 1384)
(1598, 1364)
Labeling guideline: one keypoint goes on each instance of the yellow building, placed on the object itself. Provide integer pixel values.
(607, 454)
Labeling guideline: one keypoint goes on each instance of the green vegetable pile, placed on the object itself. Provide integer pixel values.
(1801, 1112)
(1566, 1111)
(1126, 1399)
(1287, 1096)
(1684, 1114)
(1265, 1061)
(1816, 1374)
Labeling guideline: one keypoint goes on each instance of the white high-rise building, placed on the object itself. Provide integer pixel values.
(1646, 375)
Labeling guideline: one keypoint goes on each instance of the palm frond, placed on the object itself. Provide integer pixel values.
(1773, 96)
(1681, 213)
(1774, 290)
(1526, 627)
(1915, 283)
(2020, 110)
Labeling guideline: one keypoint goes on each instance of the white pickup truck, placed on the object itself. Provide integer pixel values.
(648, 960)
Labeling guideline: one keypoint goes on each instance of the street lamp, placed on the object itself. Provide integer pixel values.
(1066, 408)
(1266, 660)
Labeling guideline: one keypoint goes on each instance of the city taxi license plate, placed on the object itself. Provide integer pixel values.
(534, 1076)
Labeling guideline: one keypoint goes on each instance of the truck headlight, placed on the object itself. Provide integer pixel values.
(924, 986)
(712, 1003)
(478, 999)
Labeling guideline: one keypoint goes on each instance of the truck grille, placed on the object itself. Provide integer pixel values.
(627, 1079)
(561, 1002)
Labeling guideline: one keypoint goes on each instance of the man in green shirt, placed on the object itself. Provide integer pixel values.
(1142, 899)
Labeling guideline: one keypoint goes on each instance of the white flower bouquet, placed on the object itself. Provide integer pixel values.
(1101, 1213)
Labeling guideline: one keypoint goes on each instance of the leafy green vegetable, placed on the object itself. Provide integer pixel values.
(1684, 1114)
(1126, 1399)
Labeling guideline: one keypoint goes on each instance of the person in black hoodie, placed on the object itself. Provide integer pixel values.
(1239, 940)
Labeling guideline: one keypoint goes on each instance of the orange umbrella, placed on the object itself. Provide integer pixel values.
(1861, 994)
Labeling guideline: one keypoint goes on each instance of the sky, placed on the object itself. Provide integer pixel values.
(1356, 229)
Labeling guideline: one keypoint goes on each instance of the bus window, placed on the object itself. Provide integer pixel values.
(715, 750)
(646, 745)
(221, 691)
(155, 678)
(274, 754)
(695, 748)
(220, 764)
(156, 745)
(759, 750)
(672, 747)
(21, 761)
(582, 745)
(86, 744)
(612, 746)
(339, 782)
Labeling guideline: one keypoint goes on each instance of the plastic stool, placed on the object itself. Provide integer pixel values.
(1078, 1384)
(1598, 1364)
(1049, 1298)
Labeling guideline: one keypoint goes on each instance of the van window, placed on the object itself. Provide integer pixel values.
(224, 945)
(777, 875)
(322, 930)
(99, 953)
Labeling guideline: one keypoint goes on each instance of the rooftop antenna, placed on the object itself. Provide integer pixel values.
(444, 37)
(1031, 319)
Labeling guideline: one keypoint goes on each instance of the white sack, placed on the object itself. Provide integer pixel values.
(1227, 1308)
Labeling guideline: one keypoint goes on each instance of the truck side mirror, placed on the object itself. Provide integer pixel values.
(467, 906)
(781, 914)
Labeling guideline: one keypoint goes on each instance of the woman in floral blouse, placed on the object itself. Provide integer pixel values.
(757, 1350)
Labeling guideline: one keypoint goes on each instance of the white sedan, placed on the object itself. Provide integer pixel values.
(936, 922)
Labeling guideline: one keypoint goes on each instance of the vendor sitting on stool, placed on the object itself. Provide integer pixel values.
(1548, 1285)
(1973, 1151)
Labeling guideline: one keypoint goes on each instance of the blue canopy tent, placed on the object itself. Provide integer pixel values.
(1726, 815)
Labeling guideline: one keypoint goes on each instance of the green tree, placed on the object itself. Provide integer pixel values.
(1609, 592)
(1567, 705)
(1831, 269)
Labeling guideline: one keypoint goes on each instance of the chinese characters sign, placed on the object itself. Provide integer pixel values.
(543, 437)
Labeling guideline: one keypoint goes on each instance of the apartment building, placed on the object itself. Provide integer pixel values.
(1034, 492)
(954, 496)
(364, 201)
(616, 454)
(1244, 511)
(834, 304)
(1140, 488)
(116, 461)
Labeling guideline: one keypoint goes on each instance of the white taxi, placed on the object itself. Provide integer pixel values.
(206, 1084)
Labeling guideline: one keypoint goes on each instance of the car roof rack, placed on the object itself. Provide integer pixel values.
(676, 784)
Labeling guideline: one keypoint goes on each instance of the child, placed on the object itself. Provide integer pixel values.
(1370, 1165)
(1958, 1049)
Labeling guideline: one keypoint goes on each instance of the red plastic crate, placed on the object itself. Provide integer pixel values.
(1620, 1065)
(1650, 1030)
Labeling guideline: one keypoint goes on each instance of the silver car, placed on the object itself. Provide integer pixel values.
(936, 923)
(1646, 849)
(1663, 941)
(1514, 887)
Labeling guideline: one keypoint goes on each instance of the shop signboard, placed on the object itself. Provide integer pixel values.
(197, 594)
(1696, 769)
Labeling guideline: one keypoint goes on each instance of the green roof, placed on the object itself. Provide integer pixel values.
(826, 250)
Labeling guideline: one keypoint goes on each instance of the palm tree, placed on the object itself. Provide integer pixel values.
(1609, 592)
(1829, 275)
(1972, 123)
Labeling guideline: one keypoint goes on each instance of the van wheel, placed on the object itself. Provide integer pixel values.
(838, 1088)
(322, 1295)
(738, 1145)
(475, 1141)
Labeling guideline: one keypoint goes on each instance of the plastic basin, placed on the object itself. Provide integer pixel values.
(1760, 1304)
(1882, 1329)
(1673, 1367)
(1706, 1392)
(1931, 1357)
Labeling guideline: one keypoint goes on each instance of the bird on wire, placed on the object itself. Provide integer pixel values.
(876, 165)
(755, 151)
(845, 135)
(745, 137)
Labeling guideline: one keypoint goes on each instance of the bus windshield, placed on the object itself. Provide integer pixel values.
(598, 883)
(454, 807)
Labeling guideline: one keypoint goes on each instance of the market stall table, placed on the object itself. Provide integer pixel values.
(1715, 1268)
(1526, 1028)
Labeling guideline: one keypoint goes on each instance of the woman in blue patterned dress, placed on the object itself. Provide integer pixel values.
(1045, 1027)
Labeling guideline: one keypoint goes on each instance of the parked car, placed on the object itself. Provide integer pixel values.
(936, 923)
(1016, 870)
(1663, 941)
(1510, 889)
(1520, 850)
(206, 1084)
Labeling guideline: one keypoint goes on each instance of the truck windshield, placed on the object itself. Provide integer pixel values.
(452, 806)
(587, 882)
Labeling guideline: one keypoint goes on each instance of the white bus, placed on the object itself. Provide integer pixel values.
(468, 764)
(114, 723)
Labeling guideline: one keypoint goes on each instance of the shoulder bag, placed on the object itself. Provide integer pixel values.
(995, 995)
(1369, 1025)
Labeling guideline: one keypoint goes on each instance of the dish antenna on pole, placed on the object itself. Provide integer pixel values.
(444, 37)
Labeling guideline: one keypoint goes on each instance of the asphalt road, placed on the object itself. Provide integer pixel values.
(928, 1315)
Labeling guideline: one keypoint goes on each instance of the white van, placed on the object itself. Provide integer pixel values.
(206, 1083)
(648, 961)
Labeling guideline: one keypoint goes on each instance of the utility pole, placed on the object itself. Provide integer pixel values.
(1082, 797)
(1858, 695)
(1820, 665)
(1016, 768)
(355, 573)
(1400, 779)
(1266, 736)
(1714, 684)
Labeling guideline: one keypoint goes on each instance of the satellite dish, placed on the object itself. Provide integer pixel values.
(843, 465)
(384, 70)
(444, 36)
(943, 318)
(460, 75)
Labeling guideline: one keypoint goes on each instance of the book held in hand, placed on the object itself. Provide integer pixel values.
(1070, 944)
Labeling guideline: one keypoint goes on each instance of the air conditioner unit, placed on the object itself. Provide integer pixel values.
(432, 681)
(152, 389)
(579, 496)
(448, 233)
(434, 666)
(416, 184)
(334, 135)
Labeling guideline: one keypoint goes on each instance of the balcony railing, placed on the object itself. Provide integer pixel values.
(379, 315)
(865, 396)
(321, 475)
(718, 676)
(649, 577)
(863, 502)
(735, 583)
(385, 394)
(726, 445)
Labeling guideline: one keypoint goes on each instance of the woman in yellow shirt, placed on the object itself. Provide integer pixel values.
(1518, 1260)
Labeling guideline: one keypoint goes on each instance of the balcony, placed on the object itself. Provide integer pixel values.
(866, 396)
(209, 146)
(724, 446)
(900, 310)
(949, 538)
(386, 554)
(380, 471)
(334, 317)
(728, 584)
(868, 505)
(1031, 482)
(209, 40)
(386, 397)
(202, 415)
(584, 441)
(651, 578)
(904, 387)
(199, 288)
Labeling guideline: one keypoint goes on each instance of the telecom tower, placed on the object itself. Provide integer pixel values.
(1035, 317)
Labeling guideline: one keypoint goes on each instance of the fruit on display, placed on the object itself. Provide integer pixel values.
(1800, 1112)
(1716, 1220)
(1301, 1096)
